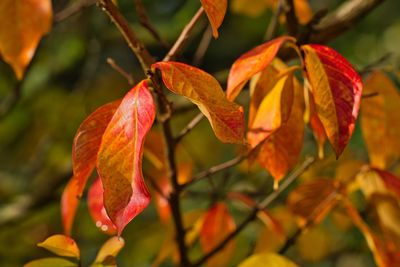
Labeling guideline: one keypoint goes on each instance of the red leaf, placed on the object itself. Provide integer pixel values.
(97, 209)
(391, 181)
(119, 161)
(336, 88)
(215, 11)
(251, 63)
(84, 153)
(217, 224)
(226, 118)
(23, 23)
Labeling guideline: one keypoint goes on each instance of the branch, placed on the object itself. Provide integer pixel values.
(203, 46)
(121, 71)
(133, 42)
(196, 120)
(253, 214)
(274, 23)
(144, 20)
(180, 42)
(292, 23)
(342, 19)
(73, 9)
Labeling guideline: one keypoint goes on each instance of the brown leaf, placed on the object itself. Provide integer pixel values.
(23, 23)
(119, 160)
(226, 118)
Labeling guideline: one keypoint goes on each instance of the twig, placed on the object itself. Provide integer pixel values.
(144, 20)
(373, 65)
(215, 169)
(274, 23)
(180, 42)
(9, 103)
(253, 214)
(196, 120)
(203, 46)
(121, 71)
(133, 42)
(73, 9)
(369, 95)
(292, 23)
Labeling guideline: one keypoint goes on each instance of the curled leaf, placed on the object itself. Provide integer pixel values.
(61, 245)
(336, 89)
(97, 209)
(110, 248)
(119, 160)
(84, 154)
(215, 11)
(23, 23)
(217, 224)
(251, 63)
(226, 118)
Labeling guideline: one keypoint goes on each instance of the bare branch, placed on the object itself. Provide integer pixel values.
(203, 46)
(196, 120)
(274, 23)
(180, 42)
(73, 9)
(292, 23)
(121, 71)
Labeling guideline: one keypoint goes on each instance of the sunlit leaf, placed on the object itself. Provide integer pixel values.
(313, 200)
(61, 245)
(380, 120)
(97, 209)
(23, 23)
(84, 154)
(119, 162)
(110, 248)
(336, 89)
(267, 259)
(217, 224)
(251, 63)
(201, 88)
(273, 111)
(281, 150)
(215, 11)
(51, 262)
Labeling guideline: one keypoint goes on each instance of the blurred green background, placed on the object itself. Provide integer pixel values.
(69, 78)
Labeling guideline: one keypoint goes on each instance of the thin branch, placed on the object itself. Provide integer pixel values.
(180, 42)
(253, 214)
(274, 23)
(145, 21)
(375, 64)
(73, 9)
(292, 23)
(123, 26)
(203, 46)
(121, 71)
(196, 120)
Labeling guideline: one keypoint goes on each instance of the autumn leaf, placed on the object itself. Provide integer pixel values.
(251, 63)
(84, 154)
(281, 150)
(226, 118)
(119, 161)
(273, 111)
(23, 23)
(110, 248)
(380, 120)
(336, 89)
(51, 262)
(61, 245)
(313, 200)
(97, 209)
(267, 259)
(217, 224)
(215, 11)
(391, 181)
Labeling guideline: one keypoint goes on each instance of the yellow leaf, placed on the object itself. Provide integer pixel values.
(61, 245)
(51, 262)
(267, 259)
(110, 248)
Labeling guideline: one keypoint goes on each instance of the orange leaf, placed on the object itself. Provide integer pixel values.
(226, 118)
(61, 245)
(84, 153)
(380, 120)
(273, 111)
(312, 201)
(251, 63)
(336, 89)
(218, 223)
(119, 161)
(391, 181)
(23, 23)
(97, 209)
(281, 150)
(215, 11)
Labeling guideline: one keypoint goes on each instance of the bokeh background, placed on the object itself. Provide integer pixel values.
(69, 77)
